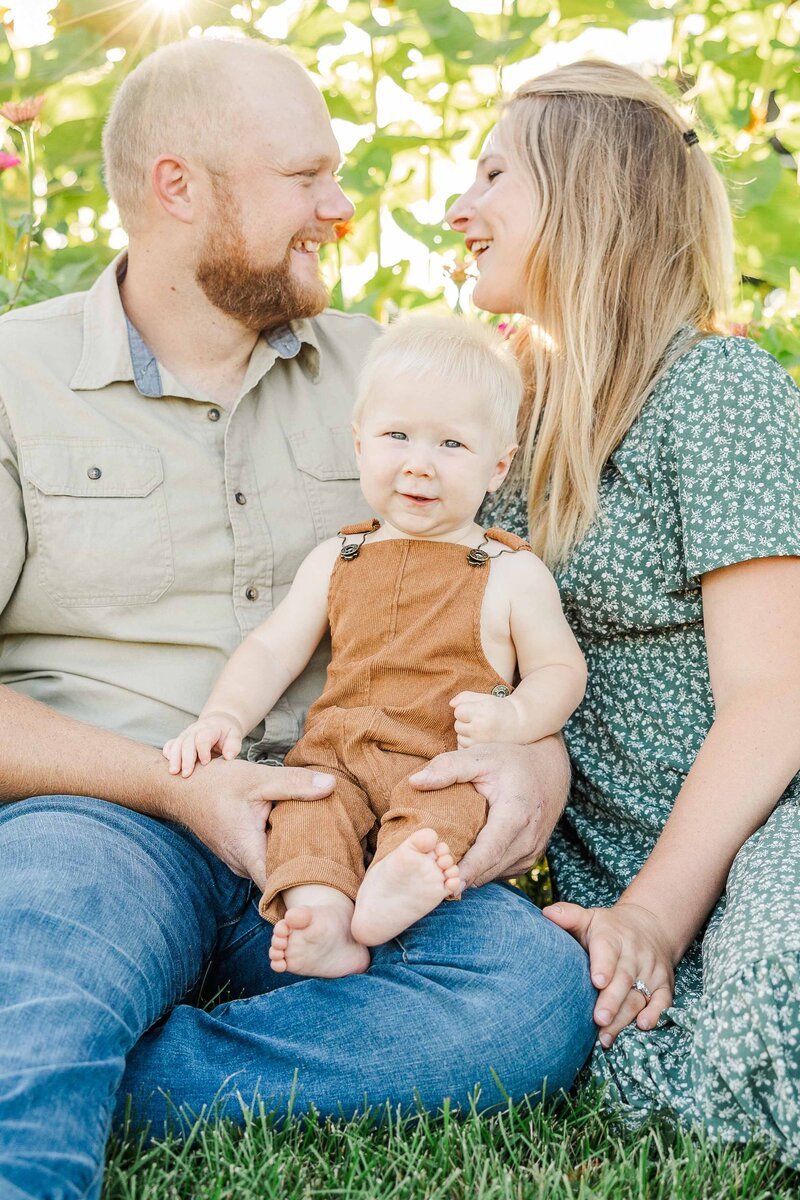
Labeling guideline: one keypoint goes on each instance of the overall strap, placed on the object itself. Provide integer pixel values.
(510, 540)
(360, 527)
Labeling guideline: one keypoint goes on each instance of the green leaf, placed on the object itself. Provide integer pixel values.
(436, 237)
(768, 235)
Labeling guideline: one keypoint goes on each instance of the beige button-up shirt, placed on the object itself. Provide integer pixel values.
(146, 530)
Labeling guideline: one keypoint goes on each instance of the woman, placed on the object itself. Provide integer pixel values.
(663, 468)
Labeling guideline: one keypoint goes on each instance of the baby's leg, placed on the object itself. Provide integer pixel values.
(422, 837)
(314, 937)
(315, 865)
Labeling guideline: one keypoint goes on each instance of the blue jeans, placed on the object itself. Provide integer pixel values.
(109, 919)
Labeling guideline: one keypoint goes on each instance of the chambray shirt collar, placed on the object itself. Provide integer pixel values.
(114, 350)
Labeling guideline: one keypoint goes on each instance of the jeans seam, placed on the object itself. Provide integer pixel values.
(403, 950)
(235, 920)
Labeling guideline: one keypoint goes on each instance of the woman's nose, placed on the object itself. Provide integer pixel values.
(459, 212)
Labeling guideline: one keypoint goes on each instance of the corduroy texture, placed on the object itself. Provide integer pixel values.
(405, 622)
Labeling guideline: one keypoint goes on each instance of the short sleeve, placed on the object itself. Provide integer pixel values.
(12, 515)
(725, 460)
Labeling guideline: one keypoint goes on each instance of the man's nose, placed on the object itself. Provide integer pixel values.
(334, 205)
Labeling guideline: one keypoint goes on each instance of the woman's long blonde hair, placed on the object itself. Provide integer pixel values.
(631, 243)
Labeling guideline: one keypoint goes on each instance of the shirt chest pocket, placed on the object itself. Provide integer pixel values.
(99, 519)
(327, 464)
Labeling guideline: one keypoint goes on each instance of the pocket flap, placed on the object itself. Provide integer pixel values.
(81, 467)
(325, 453)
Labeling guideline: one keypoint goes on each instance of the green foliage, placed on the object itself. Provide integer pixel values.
(737, 66)
(571, 1152)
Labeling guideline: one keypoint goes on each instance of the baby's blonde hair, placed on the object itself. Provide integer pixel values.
(454, 349)
(183, 99)
(631, 244)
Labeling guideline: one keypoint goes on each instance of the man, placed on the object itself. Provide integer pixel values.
(172, 443)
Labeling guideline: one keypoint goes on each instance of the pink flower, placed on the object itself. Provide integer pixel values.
(8, 160)
(24, 112)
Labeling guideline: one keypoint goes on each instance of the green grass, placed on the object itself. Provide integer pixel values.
(573, 1151)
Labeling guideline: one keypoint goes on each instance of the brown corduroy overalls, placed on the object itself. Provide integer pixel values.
(405, 620)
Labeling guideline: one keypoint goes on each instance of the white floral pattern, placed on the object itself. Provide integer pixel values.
(708, 476)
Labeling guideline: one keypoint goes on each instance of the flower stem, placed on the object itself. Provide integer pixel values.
(26, 132)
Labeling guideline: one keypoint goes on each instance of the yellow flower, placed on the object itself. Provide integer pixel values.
(23, 112)
(343, 229)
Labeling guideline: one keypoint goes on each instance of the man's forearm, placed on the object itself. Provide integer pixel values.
(46, 753)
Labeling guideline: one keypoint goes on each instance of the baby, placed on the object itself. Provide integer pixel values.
(432, 619)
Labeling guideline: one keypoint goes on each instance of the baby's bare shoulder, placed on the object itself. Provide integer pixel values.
(521, 569)
(320, 562)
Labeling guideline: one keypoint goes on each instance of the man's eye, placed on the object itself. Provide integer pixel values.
(452, 444)
(395, 433)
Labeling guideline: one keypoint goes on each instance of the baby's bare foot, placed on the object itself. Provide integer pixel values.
(317, 941)
(404, 886)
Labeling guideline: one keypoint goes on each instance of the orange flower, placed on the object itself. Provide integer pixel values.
(343, 229)
(24, 112)
(459, 270)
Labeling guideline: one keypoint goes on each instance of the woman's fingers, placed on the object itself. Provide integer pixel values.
(613, 997)
(661, 998)
(574, 918)
(628, 1011)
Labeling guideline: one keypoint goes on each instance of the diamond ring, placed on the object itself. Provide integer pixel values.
(641, 987)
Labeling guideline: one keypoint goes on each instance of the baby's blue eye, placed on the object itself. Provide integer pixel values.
(452, 444)
(395, 433)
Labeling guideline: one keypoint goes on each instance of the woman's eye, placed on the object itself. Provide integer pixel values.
(452, 444)
(492, 175)
(395, 433)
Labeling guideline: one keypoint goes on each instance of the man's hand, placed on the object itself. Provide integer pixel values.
(625, 943)
(525, 788)
(227, 804)
(481, 719)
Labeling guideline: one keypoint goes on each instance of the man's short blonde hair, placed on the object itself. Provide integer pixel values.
(183, 99)
(453, 348)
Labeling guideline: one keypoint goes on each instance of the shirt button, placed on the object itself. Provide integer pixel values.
(94, 472)
(251, 593)
(240, 497)
(213, 414)
(501, 690)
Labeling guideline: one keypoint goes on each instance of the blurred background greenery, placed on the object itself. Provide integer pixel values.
(411, 88)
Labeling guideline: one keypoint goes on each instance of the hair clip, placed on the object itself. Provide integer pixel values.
(690, 137)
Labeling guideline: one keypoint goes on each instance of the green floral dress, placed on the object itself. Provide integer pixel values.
(708, 476)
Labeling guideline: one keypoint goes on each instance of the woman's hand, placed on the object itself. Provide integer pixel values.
(624, 943)
(525, 788)
(214, 732)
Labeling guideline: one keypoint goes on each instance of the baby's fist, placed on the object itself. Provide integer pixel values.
(480, 718)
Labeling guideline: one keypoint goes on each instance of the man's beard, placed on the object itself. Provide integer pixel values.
(257, 297)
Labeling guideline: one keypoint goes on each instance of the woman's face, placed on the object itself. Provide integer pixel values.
(496, 217)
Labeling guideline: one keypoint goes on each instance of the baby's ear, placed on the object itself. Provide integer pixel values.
(502, 467)
(356, 439)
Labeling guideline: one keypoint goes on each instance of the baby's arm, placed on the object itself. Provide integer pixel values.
(260, 670)
(550, 663)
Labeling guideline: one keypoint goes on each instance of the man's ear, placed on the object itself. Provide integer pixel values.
(502, 467)
(174, 187)
(356, 440)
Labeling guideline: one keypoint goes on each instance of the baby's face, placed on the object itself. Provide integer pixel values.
(428, 455)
